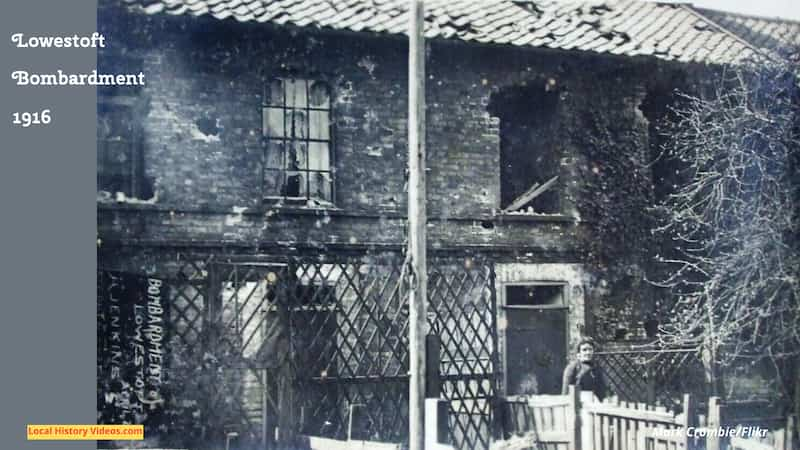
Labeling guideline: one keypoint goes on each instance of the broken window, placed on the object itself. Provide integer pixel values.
(529, 148)
(297, 131)
(120, 150)
(119, 155)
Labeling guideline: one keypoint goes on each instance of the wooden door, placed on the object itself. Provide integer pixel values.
(536, 338)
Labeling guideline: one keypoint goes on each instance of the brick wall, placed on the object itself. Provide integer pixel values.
(208, 189)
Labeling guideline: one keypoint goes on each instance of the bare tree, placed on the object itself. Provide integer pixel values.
(731, 221)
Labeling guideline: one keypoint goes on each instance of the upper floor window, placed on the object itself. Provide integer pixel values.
(297, 131)
(530, 149)
(119, 153)
(120, 144)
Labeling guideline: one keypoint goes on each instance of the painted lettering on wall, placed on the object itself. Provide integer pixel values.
(131, 348)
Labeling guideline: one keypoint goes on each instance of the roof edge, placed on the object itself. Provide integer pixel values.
(692, 10)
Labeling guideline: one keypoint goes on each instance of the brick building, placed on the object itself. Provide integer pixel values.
(259, 174)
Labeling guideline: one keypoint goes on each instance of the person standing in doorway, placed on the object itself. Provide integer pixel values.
(585, 372)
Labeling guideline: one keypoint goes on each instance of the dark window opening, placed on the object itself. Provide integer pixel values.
(535, 295)
(120, 162)
(297, 131)
(529, 148)
(120, 154)
(657, 109)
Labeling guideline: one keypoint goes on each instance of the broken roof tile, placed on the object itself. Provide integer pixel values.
(626, 27)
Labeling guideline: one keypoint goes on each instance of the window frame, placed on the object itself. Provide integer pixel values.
(134, 183)
(564, 304)
(288, 139)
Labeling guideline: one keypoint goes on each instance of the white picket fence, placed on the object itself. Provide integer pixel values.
(578, 421)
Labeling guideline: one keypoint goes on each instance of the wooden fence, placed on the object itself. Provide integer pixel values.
(755, 426)
(548, 420)
(613, 424)
(580, 422)
(573, 421)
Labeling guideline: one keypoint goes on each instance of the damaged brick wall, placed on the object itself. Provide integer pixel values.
(203, 149)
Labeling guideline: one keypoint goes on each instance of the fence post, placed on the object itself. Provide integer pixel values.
(433, 382)
(688, 411)
(651, 384)
(573, 419)
(586, 421)
(436, 410)
(790, 430)
(714, 422)
(780, 438)
(436, 432)
(499, 418)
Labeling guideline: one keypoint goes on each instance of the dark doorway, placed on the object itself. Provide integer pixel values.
(536, 338)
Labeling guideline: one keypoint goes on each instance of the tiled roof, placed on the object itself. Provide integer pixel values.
(771, 35)
(626, 27)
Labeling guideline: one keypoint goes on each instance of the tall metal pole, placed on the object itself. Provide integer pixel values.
(417, 218)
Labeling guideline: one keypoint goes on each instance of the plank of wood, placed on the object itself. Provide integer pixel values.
(597, 427)
(780, 439)
(553, 436)
(547, 401)
(537, 419)
(643, 415)
(320, 443)
(571, 416)
(631, 439)
(530, 194)
(623, 433)
(529, 439)
(440, 446)
(714, 421)
(740, 443)
(547, 419)
(660, 438)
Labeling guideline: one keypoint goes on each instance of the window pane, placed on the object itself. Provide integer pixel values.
(275, 95)
(300, 155)
(300, 125)
(320, 96)
(318, 156)
(296, 93)
(296, 154)
(320, 186)
(295, 184)
(535, 295)
(272, 182)
(273, 122)
(118, 153)
(274, 155)
(320, 126)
